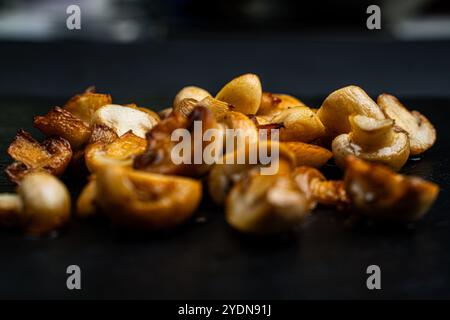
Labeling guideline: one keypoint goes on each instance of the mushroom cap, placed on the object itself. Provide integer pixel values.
(146, 201)
(342, 103)
(46, 203)
(243, 93)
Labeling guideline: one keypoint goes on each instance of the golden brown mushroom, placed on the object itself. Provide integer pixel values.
(298, 124)
(62, 123)
(377, 192)
(243, 93)
(42, 204)
(309, 154)
(266, 204)
(340, 104)
(83, 106)
(372, 140)
(53, 155)
(421, 132)
(120, 152)
(146, 201)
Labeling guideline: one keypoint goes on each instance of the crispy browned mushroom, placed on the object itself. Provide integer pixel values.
(62, 123)
(372, 140)
(53, 155)
(158, 156)
(42, 204)
(85, 104)
(377, 192)
(421, 132)
(146, 201)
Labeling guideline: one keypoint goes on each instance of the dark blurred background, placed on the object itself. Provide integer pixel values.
(152, 48)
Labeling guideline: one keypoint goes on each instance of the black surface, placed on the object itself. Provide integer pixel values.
(309, 67)
(326, 258)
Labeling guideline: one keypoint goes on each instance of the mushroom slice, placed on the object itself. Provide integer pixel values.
(62, 123)
(120, 152)
(123, 119)
(190, 92)
(243, 92)
(299, 124)
(53, 156)
(266, 204)
(158, 157)
(377, 192)
(84, 105)
(421, 132)
(318, 189)
(146, 201)
(341, 104)
(309, 154)
(372, 140)
(41, 205)
(229, 170)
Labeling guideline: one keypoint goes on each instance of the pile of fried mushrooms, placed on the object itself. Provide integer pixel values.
(124, 151)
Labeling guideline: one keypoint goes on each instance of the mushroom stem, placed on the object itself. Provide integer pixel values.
(370, 133)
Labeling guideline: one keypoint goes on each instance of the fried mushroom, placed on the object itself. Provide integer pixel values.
(372, 140)
(53, 155)
(377, 192)
(421, 132)
(146, 201)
